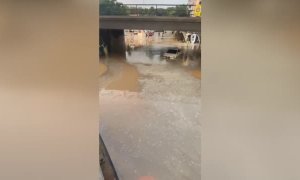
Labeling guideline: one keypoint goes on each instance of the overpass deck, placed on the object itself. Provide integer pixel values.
(151, 23)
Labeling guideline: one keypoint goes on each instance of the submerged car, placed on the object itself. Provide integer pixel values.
(172, 54)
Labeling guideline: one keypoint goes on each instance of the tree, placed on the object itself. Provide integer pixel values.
(112, 7)
(179, 10)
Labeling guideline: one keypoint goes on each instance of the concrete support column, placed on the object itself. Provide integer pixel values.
(115, 40)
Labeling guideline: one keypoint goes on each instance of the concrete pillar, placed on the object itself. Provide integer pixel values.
(115, 40)
(118, 42)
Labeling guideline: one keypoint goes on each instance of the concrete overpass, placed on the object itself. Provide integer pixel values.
(152, 23)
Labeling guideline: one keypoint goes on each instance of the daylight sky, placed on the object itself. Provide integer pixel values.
(153, 1)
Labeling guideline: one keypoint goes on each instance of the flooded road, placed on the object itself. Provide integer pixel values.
(150, 114)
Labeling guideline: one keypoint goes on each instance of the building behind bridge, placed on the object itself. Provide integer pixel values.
(192, 6)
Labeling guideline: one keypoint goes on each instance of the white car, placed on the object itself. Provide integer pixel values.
(172, 54)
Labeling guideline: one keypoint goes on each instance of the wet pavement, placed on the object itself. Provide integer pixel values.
(150, 114)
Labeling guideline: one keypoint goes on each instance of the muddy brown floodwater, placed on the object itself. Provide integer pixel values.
(127, 81)
(150, 114)
(102, 68)
(196, 73)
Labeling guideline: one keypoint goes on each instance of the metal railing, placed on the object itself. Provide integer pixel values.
(175, 10)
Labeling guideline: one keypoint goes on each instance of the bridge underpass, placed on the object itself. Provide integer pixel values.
(154, 23)
(149, 112)
(112, 27)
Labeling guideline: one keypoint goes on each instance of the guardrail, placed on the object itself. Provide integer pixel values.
(175, 10)
(106, 164)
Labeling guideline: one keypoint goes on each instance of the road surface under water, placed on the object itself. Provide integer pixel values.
(150, 115)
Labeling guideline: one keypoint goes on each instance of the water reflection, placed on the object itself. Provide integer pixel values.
(146, 55)
(153, 54)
